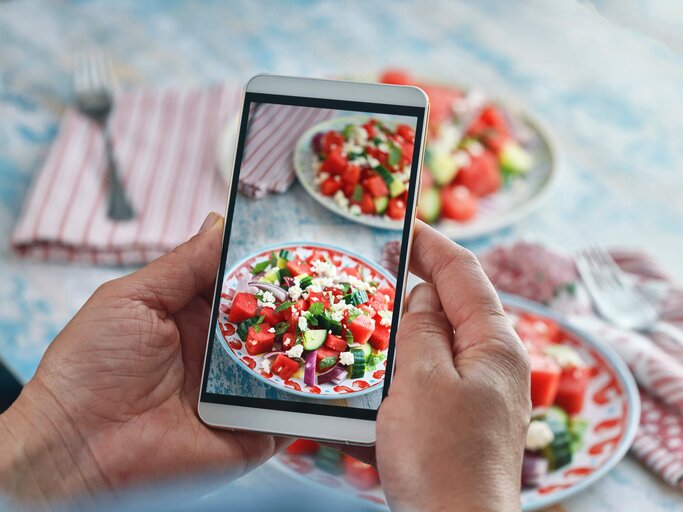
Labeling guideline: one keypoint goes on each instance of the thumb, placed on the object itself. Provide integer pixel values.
(173, 280)
(425, 337)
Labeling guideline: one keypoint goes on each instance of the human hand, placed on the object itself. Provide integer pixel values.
(450, 434)
(114, 399)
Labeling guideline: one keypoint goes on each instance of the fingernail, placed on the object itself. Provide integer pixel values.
(424, 299)
(210, 220)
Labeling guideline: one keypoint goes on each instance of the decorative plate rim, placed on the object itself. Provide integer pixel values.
(338, 396)
(630, 397)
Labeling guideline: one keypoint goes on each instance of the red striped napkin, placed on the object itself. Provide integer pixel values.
(165, 142)
(535, 272)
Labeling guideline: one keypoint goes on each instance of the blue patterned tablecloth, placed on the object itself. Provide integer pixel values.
(607, 77)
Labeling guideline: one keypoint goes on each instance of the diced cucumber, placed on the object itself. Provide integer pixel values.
(329, 460)
(385, 174)
(367, 351)
(442, 166)
(348, 130)
(281, 263)
(577, 428)
(356, 298)
(357, 369)
(514, 159)
(394, 155)
(429, 206)
(357, 193)
(557, 414)
(272, 276)
(381, 204)
(305, 281)
(285, 254)
(559, 451)
(314, 339)
(396, 188)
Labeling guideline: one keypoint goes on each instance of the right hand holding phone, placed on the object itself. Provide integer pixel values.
(450, 435)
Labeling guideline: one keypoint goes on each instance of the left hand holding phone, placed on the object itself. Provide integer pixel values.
(114, 399)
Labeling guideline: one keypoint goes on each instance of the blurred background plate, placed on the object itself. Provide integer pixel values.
(612, 411)
(511, 204)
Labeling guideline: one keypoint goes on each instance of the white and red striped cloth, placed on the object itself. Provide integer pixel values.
(655, 360)
(165, 144)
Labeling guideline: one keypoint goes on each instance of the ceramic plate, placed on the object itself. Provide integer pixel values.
(612, 410)
(236, 349)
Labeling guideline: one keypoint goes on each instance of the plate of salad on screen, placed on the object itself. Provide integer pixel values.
(310, 319)
(359, 167)
(584, 418)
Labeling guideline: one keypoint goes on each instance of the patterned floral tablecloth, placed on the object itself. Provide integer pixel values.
(595, 73)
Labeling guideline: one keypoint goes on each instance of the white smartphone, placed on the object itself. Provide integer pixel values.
(305, 311)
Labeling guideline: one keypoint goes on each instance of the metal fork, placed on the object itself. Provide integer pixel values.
(93, 85)
(617, 298)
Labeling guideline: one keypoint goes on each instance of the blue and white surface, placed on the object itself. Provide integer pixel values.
(610, 91)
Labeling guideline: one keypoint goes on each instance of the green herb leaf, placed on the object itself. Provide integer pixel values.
(312, 320)
(284, 305)
(260, 267)
(281, 328)
(317, 308)
(394, 156)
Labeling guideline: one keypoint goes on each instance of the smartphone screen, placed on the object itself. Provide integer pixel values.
(306, 314)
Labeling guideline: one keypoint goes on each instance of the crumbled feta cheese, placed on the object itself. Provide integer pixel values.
(539, 435)
(268, 298)
(321, 177)
(324, 268)
(372, 161)
(385, 318)
(462, 158)
(272, 329)
(355, 209)
(346, 358)
(295, 291)
(383, 147)
(475, 148)
(565, 356)
(296, 350)
(303, 323)
(338, 315)
(265, 365)
(341, 200)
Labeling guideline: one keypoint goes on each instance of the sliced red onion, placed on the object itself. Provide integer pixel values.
(309, 371)
(534, 469)
(288, 281)
(277, 292)
(316, 142)
(274, 353)
(337, 372)
(342, 377)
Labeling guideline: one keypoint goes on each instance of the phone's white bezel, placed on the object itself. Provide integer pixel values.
(290, 423)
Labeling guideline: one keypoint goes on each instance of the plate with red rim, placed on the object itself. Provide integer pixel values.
(226, 331)
(611, 409)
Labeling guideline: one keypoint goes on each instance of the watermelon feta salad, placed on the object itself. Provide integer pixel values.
(365, 167)
(312, 321)
(559, 381)
(474, 148)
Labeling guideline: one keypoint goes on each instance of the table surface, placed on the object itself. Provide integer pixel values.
(611, 94)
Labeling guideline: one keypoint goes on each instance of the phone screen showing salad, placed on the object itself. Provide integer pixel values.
(306, 308)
